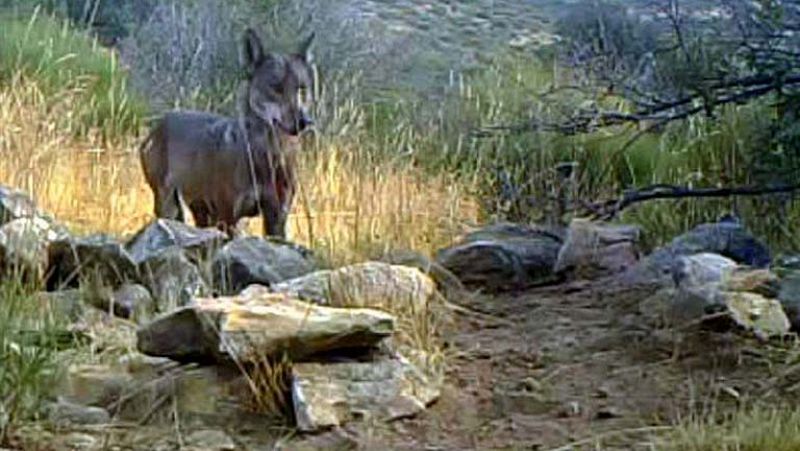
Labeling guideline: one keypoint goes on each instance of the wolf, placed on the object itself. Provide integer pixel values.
(228, 168)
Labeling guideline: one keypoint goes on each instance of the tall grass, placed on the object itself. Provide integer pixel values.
(66, 61)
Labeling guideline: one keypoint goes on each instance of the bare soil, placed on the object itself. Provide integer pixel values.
(580, 366)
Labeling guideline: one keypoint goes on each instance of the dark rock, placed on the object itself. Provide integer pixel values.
(253, 260)
(99, 257)
(503, 257)
(727, 238)
(163, 234)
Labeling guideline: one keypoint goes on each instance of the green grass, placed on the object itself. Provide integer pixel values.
(61, 57)
(753, 429)
(31, 334)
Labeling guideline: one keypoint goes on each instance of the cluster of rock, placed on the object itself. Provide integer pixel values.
(199, 298)
(715, 273)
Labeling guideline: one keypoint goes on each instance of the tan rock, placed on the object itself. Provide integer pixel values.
(257, 324)
(330, 395)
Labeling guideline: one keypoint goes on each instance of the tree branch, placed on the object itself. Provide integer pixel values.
(610, 209)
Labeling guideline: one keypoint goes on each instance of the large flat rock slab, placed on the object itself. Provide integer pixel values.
(258, 325)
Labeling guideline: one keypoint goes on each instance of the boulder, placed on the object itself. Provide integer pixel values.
(329, 395)
(23, 247)
(701, 269)
(172, 279)
(371, 284)
(753, 312)
(254, 260)
(503, 257)
(258, 325)
(592, 250)
(162, 234)
(713, 290)
(97, 257)
(726, 238)
(15, 204)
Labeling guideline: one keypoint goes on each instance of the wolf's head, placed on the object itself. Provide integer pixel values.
(279, 86)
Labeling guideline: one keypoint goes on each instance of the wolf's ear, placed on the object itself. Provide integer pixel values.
(252, 51)
(305, 47)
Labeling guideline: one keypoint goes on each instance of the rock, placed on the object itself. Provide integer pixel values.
(65, 413)
(503, 257)
(172, 279)
(130, 301)
(76, 441)
(15, 204)
(93, 385)
(593, 250)
(507, 402)
(371, 284)
(337, 439)
(711, 305)
(446, 282)
(764, 317)
(329, 395)
(209, 440)
(253, 260)
(726, 238)
(162, 234)
(759, 281)
(701, 269)
(259, 324)
(789, 297)
(97, 257)
(23, 247)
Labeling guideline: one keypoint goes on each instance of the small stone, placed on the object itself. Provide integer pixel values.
(570, 410)
(64, 413)
(78, 441)
(531, 384)
(209, 440)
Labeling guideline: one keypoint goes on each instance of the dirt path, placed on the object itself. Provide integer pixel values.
(566, 364)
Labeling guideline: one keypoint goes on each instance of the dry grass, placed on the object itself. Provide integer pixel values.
(346, 208)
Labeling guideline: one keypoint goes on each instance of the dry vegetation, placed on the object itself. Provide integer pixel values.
(346, 206)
